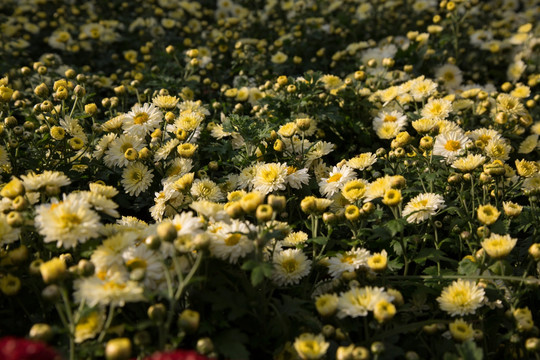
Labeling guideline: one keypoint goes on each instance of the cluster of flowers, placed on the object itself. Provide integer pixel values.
(181, 179)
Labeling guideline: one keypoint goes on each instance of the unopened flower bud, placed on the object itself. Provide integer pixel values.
(41, 332)
(118, 349)
(188, 320)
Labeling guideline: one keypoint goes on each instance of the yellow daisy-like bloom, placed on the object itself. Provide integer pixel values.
(392, 197)
(498, 149)
(362, 161)
(498, 246)
(165, 102)
(461, 298)
(310, 346)
(423, 125)
(67, 222)
(326, 304)
(422, 207)
(358, 301)
(487, 214)
(136, 178)
(526, 168)
(378, 261)
(469, 162)
(354, 190)
(270, 177)
(461, 330)
(290, 266)
(529, 144)
(288, 130)
(450, 145)
(295, 238)
(186, 150)
(279, 58)
(206, 189)
(437, 109)
(384, 311)
(511, 209)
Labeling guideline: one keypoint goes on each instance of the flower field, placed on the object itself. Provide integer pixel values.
(249, 179)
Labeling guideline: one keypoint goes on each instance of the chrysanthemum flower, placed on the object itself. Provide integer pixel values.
(326, 304)
(362, 161)
(437, 109)
(295, 238)
(89, 325)
(67, 222)
(526, 168)
(469, 162)
(230, 241)
(112, 289)
(422, 207)
(450, 145)
(206, 189)
(348, 261)
(498, 246)
(8, 234)
(358, 301)
(136, 178)
(487, 214)
(450, 75)
(498, 149)
(142, 120)
(35, 182)
(354, 190)
(297, 178)
(384, 310)
(511, 209)
(461, 298)
(270, 177)
(115, 154)
(166, 102)
(335, 181)
(461, 330)
(310, 346)
(290, 266)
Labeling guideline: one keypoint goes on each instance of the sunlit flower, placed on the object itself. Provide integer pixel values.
(437, 109)
(422, 207)
(450, 145)
(358, 301)
(461, 298)
(290, 266)
(136, 178)
(142, 120)
(362, 161)
(348, 261)
(498, 246)
(461, 330)
(336, 179)
(206, 189)
(487, 214)
(469, 162)
(310, 346)
(270, 177)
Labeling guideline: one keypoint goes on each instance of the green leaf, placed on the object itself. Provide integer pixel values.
(230, 344)
(468, 267)
(470, 351)
(321, 240)
(395, 226)
(428, 254)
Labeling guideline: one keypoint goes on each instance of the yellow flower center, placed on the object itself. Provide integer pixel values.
(389, 118)
(136, 176)
(136, 263)
(289, 266)
(68, 221)
(452, 145)
(232, 239)
(269, 175)
(347, 259)
(140, 118)
(291, 170)
(111, 285)
(334, 178)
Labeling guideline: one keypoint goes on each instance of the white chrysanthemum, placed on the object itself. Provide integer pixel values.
(362, 161)
(187, 121)
(178, 168)
(290, 266)
(358, 301)
(115, 154)
(229, 241)
(34, 182)
(142, 258)
(377, 188)
(532, 184)
(136, 178)
(450, 75)
(8, 234)
(395, 117)
(388, 130)
(142, 120)
(101, 203)
(109, 254)
(336, 179)
(73, 127)
(105, 190)
(484, 135)
(437, 109)
(166, 149)
(246, 177)
(450, 145)
(421, 88)
(187, 223)
(348, 261)
(320, 149)
(461, 298)
(270, 177)
(469, 162)
(423, 206)
(297, 178)
(67, 222)
(206, 189)
(529, 144)
(295, 238)
(102, 145)
(114, 290)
